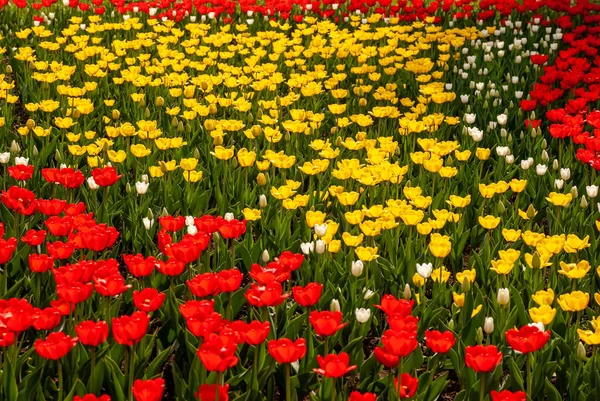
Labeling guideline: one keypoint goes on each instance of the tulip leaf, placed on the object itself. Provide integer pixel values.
(551, 393)
(515, 373)
(437, 387)
(158, 362)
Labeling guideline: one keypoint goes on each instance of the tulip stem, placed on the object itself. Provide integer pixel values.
(333, 391)
(288, 396)
(482, 392)
(217, 385)
(92, 369)
(399, 385)
(60, 380)
(255, 368)
(131, 371)
(529, 376)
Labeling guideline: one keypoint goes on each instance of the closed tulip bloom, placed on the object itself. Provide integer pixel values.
(574, 302)
(268, 295)
(40, 263)
(482, 358)
(256, 332)
(92, 333)
(106, 176)
(55, 346)
(204, 285)
(46, 319)
(148, 390)
(229, 280)
(140, 266)
(334, 366)
(390, 305)
(285, 350)
(326, 323)
(384, 357)
(439, 342)
(528, 338)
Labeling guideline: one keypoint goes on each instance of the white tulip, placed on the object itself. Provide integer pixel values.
(362, 315)
(464, 99)
(192, 230)
(368, 294)
(538, 325)
(357, 268)
(4, 157)
(541, 169)
(24, 161)
(92, 184)
(229, 216)
(565, 173)
(488, 326)
(470, 118)
(559, 184)
(525, 164)
(503, 296)
(320, 229)
(592, 191)
(320, 247)
(141, 187)
(262, 201)
(148, 223)
(510, 159)
(424, 269)
(502, 119)
(307, 247)
(265, 256)
(335, 306)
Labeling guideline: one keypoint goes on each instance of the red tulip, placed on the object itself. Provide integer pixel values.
(439, 342)
(270, 273)
(98, 237)
(528, 338)
(21, 172)
(171, 223)
(111, 285)
(105, 177)
(60, 250)
(408, 385)
(148, 300)
(400, 343)
(386, 358)
(193, 307)
(229, 280)
(390, 305)
(51, 207)
(401, 322)
(218, 353)
(7, 248)
(140, 266)
(59, 226)
(333, 365)
(482, 358)
(285, 350)
(208, 392)
(204, 285)
(208, 224)
(203, 325)
(34, 238)
(91, 397)
(20, 200)
(232, 229)
(129, 330)
(55, 346)
(309, 295)
(326, 323)
(356, 396)
(171, 267)
(46, 319)
(92, 333)
(256, 332)
(268, 295)
(7, 338)
(74, 292)
(291, 261)
(148, 390)
(508, 396)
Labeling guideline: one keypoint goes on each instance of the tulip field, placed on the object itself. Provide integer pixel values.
(296, 200)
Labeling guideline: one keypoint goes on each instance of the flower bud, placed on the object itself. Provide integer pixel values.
(261, 179)
(584, 202)
(450, 325)
(465, 285)
(148, 223)
(357, 268)
(368, 294)
(160, 101)
(479, 335)
(503, 296)
(488, 326)
(192, 230)
(265, 256)
(335, 306)
(536, 262)
(407, 294)
(591, 190)
(262, 201)
(115, 114)
(319, 247)
(574, 192)
(581, 352)
(14, 147)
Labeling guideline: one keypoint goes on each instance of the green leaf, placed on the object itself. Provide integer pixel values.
(437, 387)
(551, 393)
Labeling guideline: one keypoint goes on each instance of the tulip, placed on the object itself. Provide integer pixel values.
(362, 315)
(503, 296)
(488, 326)
(357, 268)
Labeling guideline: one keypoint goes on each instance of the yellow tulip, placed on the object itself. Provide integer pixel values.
(511, 235)
(188, 164)
(542, 297)
(251, 214)
(574, 302)
(440, 275)
(192, 176)
(222, 153)
(561, 200)
(245, 158)
(575, 270)
(468, 274)
(351, 240)
(459, 299)
(366, 254)
(544, 314)
(589, 337)
(489, 222)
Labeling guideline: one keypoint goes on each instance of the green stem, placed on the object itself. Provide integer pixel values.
(288, 396)
(333, 392)
(529, 376)
(60, 380)
(482, 392)
(131, 371)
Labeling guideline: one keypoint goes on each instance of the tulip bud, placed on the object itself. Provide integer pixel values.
(584, 202)
(501, 207)
(160, 101)
(335, 306)
(265, 256)
(30, 124)
(14, 147)
(465, 285)
(192, 230)
(581, 352)
(261, 179)
(150, 214)
(574, 192)
(362, 102)
(319, 247)
(407, 294)
(128, 188)
(216, 237)
(536, 262)
(450, 325)
(35, 151)
(218, 140)
(503, 296)
(368, 294)
(357, 268)
(362, 315)
(174, 122)
(488, 326)
(479, 335)
(9, 69)
(544, 144)
(116, 114)
(212, 109)
(148, 223)
(287, 137)
(262, 201)
(554, 163)
(333, 130)
(530, 212)
(180, 127)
